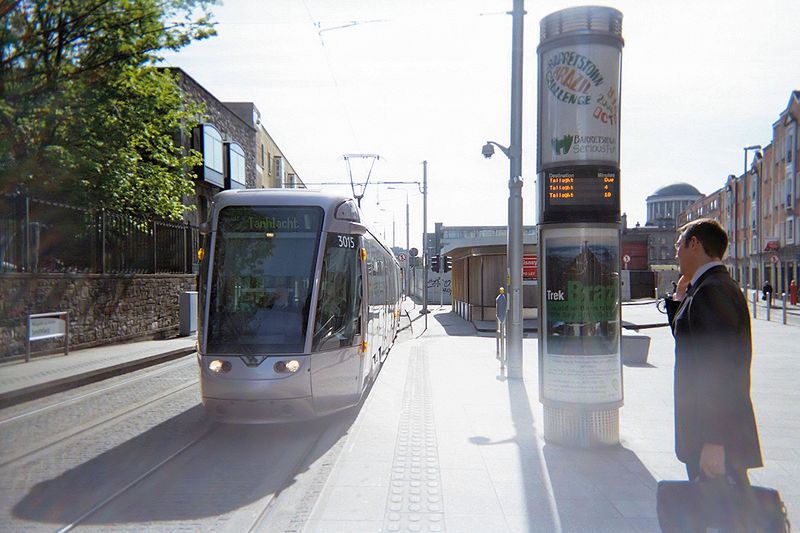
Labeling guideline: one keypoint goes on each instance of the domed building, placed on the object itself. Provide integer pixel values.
(664, 205)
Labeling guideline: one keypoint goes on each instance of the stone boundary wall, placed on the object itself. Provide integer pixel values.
(104, 308)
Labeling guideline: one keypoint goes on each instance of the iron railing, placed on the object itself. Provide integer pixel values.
(44, 236)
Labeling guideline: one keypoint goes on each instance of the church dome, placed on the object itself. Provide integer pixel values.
(678, 189)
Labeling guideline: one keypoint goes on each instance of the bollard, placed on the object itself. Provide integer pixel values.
(784, 308)
(501, 344)
(769, 307)
(497, 335)
(755, 304)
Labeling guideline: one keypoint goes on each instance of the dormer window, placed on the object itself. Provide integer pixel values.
(208, 141)
(235, 175)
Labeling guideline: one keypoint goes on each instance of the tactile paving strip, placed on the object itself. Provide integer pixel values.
(415, 493)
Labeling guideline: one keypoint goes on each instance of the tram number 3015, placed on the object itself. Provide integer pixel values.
(346, 241)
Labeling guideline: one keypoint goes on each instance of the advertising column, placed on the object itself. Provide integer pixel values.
(580, 366)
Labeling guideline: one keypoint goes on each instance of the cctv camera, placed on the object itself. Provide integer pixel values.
(488, 150)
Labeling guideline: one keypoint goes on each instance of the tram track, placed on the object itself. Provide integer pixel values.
(95, 425)
(334, 430)
(127, 487)
(150, 374)
(308, 442)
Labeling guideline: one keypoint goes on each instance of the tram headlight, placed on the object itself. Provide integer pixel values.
(219, 367)
(284, 367)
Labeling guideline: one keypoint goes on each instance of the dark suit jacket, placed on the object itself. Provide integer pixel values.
(711, 326)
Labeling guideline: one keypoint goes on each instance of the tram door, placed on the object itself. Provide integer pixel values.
(338, 328)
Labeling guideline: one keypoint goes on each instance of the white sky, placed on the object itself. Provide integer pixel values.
(430, 80)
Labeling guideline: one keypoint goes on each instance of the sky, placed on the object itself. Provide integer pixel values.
(430, 80)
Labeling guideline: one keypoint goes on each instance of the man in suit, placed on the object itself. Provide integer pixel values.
(715, 427)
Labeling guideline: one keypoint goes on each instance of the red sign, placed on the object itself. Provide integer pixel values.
(530, 266)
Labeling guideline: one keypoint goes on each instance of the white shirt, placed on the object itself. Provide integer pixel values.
(703, 269)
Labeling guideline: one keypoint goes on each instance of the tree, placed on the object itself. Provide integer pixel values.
(83, 113)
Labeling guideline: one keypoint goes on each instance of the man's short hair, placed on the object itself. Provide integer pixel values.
(709, 233)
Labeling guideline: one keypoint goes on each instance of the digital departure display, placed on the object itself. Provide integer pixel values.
(582, 186)
(581, 193)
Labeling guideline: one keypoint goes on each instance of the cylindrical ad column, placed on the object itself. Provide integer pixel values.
(580, 368)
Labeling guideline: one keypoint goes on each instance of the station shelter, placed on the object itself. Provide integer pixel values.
(479, 270)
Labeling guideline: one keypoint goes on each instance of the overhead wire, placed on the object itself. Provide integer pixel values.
(317, 25)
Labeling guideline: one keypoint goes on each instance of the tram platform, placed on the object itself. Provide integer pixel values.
(445, 442)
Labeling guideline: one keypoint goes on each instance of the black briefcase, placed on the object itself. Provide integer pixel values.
(693, 506)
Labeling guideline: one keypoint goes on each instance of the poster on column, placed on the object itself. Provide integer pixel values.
(581, 352)
(579, 99)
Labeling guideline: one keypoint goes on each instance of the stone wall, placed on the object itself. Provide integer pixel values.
(104, 308)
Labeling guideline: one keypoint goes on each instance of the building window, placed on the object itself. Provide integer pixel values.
(277, 162)
(236, 173)
(207, 140)
(790, 230)
(212, 148)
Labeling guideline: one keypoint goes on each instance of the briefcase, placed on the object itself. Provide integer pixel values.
(693, 506)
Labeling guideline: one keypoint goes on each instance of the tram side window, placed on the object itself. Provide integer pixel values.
(377, 287)
(338, 319)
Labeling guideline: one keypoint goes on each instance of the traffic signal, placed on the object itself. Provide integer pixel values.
(448, 263)
(435, 263)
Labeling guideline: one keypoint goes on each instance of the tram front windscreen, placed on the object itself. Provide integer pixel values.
(263, 270)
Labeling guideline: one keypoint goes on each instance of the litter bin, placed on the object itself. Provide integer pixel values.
(188, 312)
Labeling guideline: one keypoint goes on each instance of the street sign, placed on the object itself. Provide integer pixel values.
(530, 266)
(413, 252)
(402, 257)
(774, 259)
(626, 259)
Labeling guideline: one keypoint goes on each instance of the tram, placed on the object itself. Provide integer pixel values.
(299, 305)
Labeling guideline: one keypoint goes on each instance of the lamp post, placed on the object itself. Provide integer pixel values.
(746, 257)
(408, 239)
(425, 258)
(514, 154)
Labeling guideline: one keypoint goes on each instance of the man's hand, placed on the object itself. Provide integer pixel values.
(712, 460)
(680, 289)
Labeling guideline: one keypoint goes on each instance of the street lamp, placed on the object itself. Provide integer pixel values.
(408, 243)
(385, 237)
(408, 239)
(744, 277)
(514, 154)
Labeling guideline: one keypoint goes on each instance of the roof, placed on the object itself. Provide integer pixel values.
(678, 189)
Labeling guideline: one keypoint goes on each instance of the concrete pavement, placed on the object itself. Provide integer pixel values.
(445, 443)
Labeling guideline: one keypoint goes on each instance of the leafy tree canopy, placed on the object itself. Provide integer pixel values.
(83, 114)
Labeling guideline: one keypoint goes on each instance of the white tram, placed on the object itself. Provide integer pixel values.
(299, 305)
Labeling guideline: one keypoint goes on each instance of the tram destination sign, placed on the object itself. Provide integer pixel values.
(581, 190)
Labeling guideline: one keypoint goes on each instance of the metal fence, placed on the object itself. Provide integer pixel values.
(43, 236)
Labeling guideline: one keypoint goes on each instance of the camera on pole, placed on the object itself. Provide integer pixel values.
(435, 263)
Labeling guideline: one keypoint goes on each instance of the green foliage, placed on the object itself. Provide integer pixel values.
(83, 114)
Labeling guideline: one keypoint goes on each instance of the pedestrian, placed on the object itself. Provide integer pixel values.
(793, 292)
(766, 293)
(715, 426)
